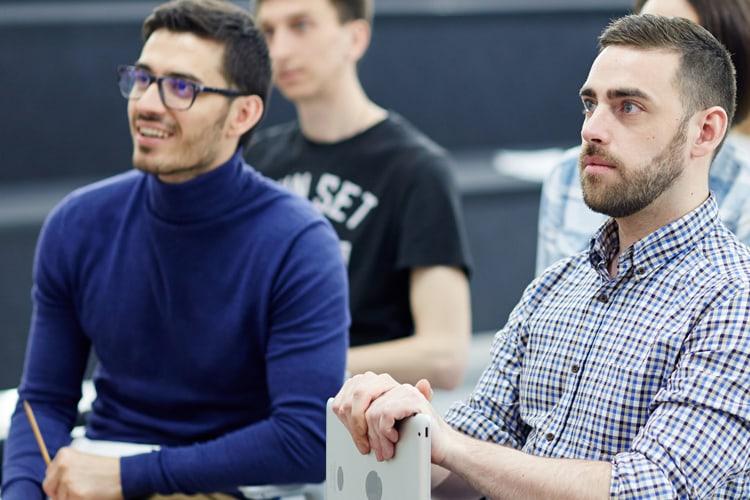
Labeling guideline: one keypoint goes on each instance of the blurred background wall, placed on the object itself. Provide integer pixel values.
(476, 75)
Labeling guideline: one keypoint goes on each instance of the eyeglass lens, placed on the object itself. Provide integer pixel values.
(175, 93)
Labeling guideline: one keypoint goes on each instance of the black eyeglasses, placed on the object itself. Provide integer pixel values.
(175, 92)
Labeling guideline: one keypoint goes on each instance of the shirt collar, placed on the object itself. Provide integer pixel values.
(656, 249)
(202, 198)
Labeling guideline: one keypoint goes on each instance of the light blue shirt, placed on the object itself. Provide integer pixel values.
(566, 224)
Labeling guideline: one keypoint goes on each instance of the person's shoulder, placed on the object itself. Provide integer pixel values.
(401, 133)
(282, 205)
(725, 257)
(290, 221)
(413, 153)
(282, 132)
(271, 144)
(732, 161)
(96, 198)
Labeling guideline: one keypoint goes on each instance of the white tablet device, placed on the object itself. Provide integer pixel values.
(353, 476)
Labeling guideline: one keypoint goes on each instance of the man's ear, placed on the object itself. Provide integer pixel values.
(244, 114)
(360, 32)
(713, 124)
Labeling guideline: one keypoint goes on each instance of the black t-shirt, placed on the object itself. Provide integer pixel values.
(390, 195)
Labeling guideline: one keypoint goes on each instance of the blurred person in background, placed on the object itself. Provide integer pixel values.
(566, 223)
(386, 188)
(215, 301)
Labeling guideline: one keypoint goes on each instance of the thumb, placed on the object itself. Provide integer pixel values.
(424, 387)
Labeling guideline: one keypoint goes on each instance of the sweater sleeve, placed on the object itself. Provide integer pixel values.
(55, 361)
(305, 359)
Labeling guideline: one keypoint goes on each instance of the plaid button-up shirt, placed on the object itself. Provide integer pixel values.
(649, 370)
(566, 223)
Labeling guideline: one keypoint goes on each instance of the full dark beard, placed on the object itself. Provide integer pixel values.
(637, 189)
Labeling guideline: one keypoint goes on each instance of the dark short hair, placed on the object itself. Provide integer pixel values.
(246, 63)
(348, 10)
(705, 76)
(729, 22)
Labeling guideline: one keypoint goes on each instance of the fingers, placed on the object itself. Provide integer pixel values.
(52, 477)
(380, 432)
(353, 400)
(400, 403)
(425, 388)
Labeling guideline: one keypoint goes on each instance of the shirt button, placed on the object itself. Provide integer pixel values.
(549, 437)
(575, 368)
(603, 298)
(640, 271)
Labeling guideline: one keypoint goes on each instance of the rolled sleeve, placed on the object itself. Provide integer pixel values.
(696, 441)
(492, 411)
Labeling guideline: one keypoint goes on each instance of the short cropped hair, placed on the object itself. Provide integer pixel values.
(705, 76)
(348, 10)
(729, 22)
(246, 64)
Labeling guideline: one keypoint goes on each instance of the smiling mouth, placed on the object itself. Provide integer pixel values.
(153, 133)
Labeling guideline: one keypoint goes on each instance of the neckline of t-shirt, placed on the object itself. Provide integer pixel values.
(390, 117)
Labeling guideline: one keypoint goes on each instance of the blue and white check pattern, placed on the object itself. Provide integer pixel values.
(566, 224)
(649, 370)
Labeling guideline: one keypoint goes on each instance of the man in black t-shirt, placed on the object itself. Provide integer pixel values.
(386, 188)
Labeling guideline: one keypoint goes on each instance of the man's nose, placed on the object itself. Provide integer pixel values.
(150, 101)
(596, 126)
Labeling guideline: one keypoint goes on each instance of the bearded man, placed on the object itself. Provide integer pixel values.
(625, 370)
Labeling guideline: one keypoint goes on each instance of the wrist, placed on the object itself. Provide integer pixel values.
(452, 446)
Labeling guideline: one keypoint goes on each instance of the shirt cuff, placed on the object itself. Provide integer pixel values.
(634, 476)
(141, 475)
(22, 490)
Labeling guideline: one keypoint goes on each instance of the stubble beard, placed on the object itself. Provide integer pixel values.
(637, 188)
(197, 153)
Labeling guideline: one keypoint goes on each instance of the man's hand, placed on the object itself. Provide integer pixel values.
(353, 400)
(369, 405)
(73, 475)
(397, 404)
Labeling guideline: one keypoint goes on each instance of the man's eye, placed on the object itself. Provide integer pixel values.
(629, 108)
(180, 87)
(142, 78)
(588, 106)
(300, 26)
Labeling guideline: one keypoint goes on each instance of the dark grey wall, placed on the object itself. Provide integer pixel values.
(474, 80)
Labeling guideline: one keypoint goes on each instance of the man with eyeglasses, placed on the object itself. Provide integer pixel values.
(215, 301)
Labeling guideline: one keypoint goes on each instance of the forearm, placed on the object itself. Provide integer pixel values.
(441, 360)
(447, 485)
(24, 466)
(501, 472)
(267, 452)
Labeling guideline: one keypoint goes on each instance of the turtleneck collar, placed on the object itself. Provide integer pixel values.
(199, 199)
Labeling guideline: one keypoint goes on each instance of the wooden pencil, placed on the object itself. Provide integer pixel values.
(37, 433)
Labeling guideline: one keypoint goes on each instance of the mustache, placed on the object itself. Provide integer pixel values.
(155, 119)
(590, 149)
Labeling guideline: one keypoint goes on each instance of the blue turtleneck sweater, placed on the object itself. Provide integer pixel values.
(218, 311)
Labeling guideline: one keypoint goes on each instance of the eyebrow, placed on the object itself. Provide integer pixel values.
(616, 93)
(173, 74)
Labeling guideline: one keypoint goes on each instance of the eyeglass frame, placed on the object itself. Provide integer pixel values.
(198, 88)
